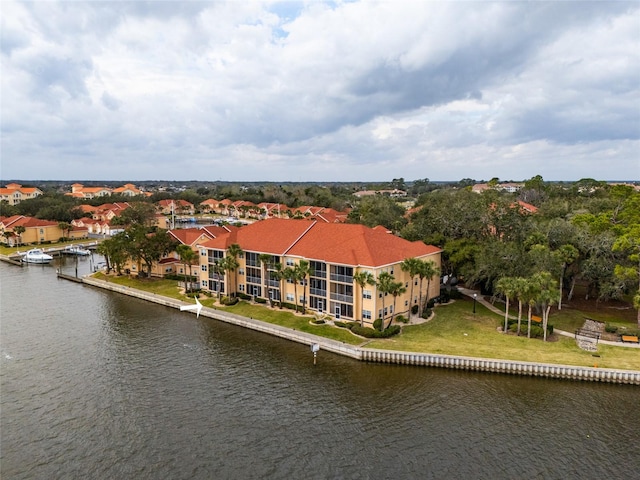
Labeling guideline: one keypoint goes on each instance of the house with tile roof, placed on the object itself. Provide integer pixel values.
(335, 252)
(179, 207)
(15, 193)
(36, 231)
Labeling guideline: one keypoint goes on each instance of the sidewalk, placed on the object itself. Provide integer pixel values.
(480, 299)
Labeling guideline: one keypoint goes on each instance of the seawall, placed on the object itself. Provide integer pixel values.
(513, 367)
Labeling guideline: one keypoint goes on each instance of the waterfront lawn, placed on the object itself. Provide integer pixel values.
(164, 287)
(454, 330)
(288, 319)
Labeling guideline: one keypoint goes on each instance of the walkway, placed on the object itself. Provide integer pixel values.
(480, 299)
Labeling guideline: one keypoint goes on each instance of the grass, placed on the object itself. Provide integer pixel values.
(454, 330)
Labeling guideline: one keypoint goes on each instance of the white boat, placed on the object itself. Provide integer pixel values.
(36, 255)
(76, 250)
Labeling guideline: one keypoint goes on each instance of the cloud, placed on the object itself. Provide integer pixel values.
(319, 91)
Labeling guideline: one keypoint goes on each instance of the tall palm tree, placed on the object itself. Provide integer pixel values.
(396, 289)
(384, 285)
(520, 292)
(302, 272)
(219, 269)
(279, 275)
(363, 278)
(188, 258)
(265, 261)
(19, 230)
(547, 296)
(506, 286)
(412, 267)
(427, 270)
(290, 273)
(234, 251)
(230, 264)
(567, 254)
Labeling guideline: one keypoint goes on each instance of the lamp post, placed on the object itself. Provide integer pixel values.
(475, 295)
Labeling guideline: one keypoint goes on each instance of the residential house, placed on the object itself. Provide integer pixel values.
(35, 230)
(505, 187)
(129, 190)
(15, 193)
(179, 207)
(335, 252)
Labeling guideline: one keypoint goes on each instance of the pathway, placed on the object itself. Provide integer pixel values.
(480, 299)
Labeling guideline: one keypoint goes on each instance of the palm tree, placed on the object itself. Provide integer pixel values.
(411, 266)
(279, 275)
(19, 230)
(65, 227)
(427, 270)
(530, 296)
(187, 257)
(291, 274)
(567, 254)
(219, 269)
(230, 264)
(520, 291)
(363, 278)
(547, 296)
(265, 261)
(396, 289)
(302, 272)
(506, 286)
(234, 251)
(384, 285)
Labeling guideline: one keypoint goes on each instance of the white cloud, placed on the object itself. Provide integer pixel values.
(319, 91)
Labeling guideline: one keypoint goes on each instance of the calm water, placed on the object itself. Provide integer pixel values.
(95, 385)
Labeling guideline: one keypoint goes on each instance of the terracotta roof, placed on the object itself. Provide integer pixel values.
(188, 236)
(346, 244)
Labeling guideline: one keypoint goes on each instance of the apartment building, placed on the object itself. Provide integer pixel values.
(335, 252)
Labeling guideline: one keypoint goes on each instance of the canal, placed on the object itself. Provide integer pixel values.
(97, 385)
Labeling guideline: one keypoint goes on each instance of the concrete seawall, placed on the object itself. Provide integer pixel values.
(512, 367)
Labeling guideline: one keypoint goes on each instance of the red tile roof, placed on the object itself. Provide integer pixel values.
(339, 243)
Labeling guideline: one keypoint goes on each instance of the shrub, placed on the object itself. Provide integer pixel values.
(402, 319)
(229, 300)
(444, 296)
(374, 333)
(261, 300)
(344, 324)
(455, 294)
(318, 321)
(414, 309)
(536, 331)
(610, 328)
(426, 313)
(376, 324)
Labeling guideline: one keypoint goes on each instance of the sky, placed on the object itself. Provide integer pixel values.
(354, 91)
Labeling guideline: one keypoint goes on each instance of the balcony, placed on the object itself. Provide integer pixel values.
(342, 278)
(342, 298)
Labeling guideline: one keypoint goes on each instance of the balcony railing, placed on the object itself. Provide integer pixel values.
(318, 292)
(256, 280)
(342, 298)
(342, 278)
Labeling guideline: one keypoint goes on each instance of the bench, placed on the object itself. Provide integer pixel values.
(629, 338)
(587, 333)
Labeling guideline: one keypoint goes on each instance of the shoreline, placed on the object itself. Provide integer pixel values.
(512, 367)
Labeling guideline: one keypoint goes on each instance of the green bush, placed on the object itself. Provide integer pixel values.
(536, 331)
(431, 303)
(318, 321)
(610, 328)
(261, 300)
(414, 309)
(401, 319)
(374, 333)
(444, 296)
(345, 324)
(426, 313)
(376, 323)
(229, 300)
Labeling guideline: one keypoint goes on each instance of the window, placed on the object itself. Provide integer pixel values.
(241, 271)
(290, 297)
(204, 283)
(366, 294)
(366, 314)
(290, 262)
(203, 268)
(241, 287)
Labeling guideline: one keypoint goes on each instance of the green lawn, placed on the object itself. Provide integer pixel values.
(454, 330)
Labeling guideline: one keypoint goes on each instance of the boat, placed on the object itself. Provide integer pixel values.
(76, 250)
(36, 255)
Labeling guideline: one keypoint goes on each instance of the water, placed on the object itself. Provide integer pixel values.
(98, 385)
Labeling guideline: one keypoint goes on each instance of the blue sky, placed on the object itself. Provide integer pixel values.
(319, 91)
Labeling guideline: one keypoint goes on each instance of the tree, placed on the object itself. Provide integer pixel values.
(19, 230)
(520, 288)
(115, 252)
(396, 289)
(290, 274)
(412, 267)
(566, 254)
(234, 251)
(188, 258)
(301, 274)
(363, 278)
(546, 296)
(265, 261)
(137, 213)
(65, 227)
(427, 270)
(279, 275)
(219, 269)
(629, 244)
(229, 264)
(384, 284)
(507, 286)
